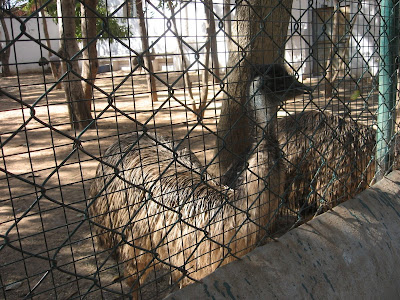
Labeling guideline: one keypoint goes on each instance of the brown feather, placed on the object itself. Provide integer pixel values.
(328, 159)
(162, 207)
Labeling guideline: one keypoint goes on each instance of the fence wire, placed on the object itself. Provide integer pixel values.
(140, 146)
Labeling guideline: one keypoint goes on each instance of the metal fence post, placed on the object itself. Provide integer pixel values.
(389, 31)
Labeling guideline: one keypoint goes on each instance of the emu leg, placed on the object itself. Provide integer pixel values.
(131, 275)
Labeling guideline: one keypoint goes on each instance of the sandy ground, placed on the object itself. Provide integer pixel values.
(44, 178)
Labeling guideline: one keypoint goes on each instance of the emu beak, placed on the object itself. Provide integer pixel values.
(297, 85)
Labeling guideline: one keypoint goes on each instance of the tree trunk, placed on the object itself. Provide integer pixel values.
(90, 63)
(185, 64)
(45, 29)
(79, 113)
(204, 79)
(54, 70)
(332, 60)
(151, 80)
(210, 31)
(5, 56)
(344, 50)
(259, 36)
(227, 21)
(212, 35)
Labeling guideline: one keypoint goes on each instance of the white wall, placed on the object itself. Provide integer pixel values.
(27, 50)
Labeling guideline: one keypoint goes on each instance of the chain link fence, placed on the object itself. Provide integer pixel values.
(145, 144)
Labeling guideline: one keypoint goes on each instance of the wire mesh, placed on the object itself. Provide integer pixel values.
(136, 156)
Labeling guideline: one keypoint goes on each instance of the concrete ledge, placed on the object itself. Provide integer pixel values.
(351, 252)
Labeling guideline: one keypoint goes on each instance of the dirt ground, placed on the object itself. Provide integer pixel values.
(44, 179)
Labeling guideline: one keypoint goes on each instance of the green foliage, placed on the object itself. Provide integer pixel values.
(109, 27)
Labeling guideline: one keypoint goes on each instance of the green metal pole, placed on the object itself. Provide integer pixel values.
(389, 35)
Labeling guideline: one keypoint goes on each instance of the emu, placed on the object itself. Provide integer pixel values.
(153, 205)
(328, 160)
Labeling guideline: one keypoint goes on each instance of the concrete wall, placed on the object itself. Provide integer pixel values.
(351, 252)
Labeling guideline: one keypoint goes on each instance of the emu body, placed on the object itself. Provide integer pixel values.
(154, 205)
(327, 159)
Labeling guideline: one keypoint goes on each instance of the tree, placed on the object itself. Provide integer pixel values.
(151, 80)
(88, 26)
(33, 5)
(211, 48)
(259, 36)
(204, 79)
(90, 63)
(5, 55)
(227, 20)
(47, 37)
(212, 35)
(86, 15)
(78, 107)
(337, 55)
(332, 61)
(54, 70)
(185, 64)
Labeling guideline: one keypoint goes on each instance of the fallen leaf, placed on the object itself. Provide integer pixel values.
(14, 286)
(355, 95)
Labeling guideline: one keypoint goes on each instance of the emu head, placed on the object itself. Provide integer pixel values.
(269, 87)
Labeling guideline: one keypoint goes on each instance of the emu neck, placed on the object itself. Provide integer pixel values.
(264, 149)
(265, 117)
(270, 127)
